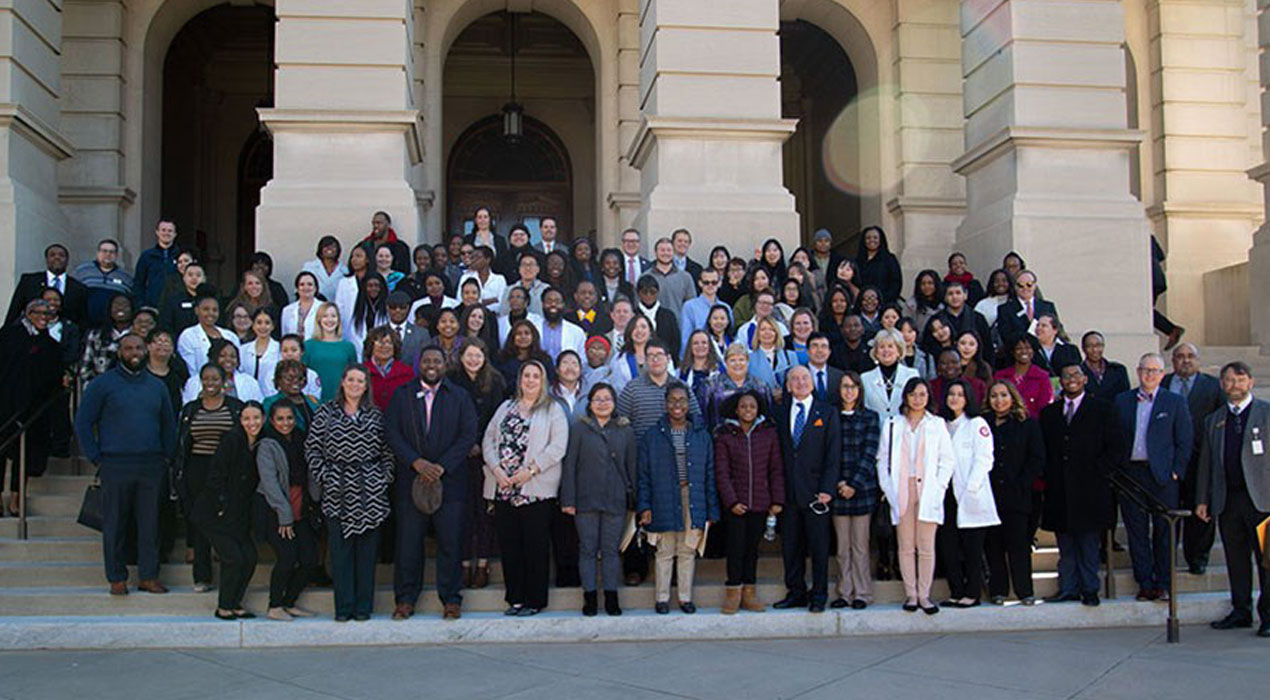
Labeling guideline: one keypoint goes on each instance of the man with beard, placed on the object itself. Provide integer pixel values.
(558, 336)
(126, 427)
(431, 426)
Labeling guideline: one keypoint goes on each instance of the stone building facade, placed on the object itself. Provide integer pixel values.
(1068, 130)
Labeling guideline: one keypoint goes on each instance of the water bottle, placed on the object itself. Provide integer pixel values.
(770, 533)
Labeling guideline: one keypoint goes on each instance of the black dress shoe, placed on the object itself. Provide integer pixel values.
(662, 608)
(1089, 599)
(791, 601)
(816, 606)
(858, 604)
(1197, 569)
(1232, 621)
(931, 609)
(512, 611)
(687, 608)
(361, 617)
(342, 618)
(527, 611)
(1264, 630)
(839, 603)
(909, 607)
(1063, 598)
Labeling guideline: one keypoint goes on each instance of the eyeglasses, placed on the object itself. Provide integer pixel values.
(1024, 285)
(709, 283)
(1150, 370)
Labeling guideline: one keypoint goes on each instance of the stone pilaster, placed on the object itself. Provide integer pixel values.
(344, 125)
(930, 200)
(708, 146)
(1207, 205)
(1259, 255)
(1047, 159)
(31, 142)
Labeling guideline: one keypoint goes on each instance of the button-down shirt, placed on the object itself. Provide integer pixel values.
(57, 282)
(819, 378)
(1071, 406)
(1182, 385)
(1238, 408)
(1143, 419)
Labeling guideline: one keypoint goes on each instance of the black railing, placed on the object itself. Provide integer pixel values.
(23, 422)
(1129, 488)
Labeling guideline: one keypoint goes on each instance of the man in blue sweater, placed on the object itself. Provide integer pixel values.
(125, 426)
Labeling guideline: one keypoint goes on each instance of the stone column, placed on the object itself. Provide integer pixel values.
(708, 145)
(31, 142)
(1206, 205)
(1047, 160)
(1259, 256)
(930, 200)
(624, 201)
(344, 125)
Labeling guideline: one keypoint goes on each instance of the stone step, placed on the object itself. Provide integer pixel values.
(94, 600)
(64, 505)
(60, 484)
(43, 526)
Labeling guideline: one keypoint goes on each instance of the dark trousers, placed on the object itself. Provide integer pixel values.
(1238, 522)
(195, 477)
(564, 549)
(744, 534)
(237, 552)
(412, 529)
(1148, 534)
(353, 561)
(1161, 322)
(524, 538)
(1078, 562)
(600, 534)
(804, 533)
(1009, 550)
(128, 492)
(961, 551)
(1197, 536)
(295, 557)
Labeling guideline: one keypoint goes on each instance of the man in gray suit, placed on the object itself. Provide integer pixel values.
(413, 338)
(1203, 396)
(1234, 487)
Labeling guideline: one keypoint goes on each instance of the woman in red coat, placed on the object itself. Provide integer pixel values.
(1032, 382)
(748, 470)
(382, 354)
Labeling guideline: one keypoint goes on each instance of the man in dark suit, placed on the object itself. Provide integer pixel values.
(413, 338)
(1015, 317)
(431, 426)
(681, 239)
(825, 378)
(549, 230)
(811, 448)
(1156, 427)
(32, 284)
(633, 266)
(1233, 486)
(665, 322)
(1082, 447)
(1203, 395)
(588, 313)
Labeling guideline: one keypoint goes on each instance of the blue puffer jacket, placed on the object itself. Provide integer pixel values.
(659, 478)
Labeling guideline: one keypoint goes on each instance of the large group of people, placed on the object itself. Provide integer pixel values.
(571, 411)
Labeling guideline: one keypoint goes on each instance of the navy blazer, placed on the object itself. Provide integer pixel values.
(812, 466)
(448, 439)
(1170, 432)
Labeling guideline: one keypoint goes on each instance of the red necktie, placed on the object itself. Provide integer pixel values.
(630, 270)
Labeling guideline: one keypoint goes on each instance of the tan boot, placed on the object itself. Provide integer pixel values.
(731, 600)
(749, 599)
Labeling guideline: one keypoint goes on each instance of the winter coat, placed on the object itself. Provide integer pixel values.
(748, 466)
(658, 489)
(599, 466)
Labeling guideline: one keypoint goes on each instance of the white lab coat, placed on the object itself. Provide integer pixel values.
(193, 345)
(973, 445)
(940, 463)
(291, 319)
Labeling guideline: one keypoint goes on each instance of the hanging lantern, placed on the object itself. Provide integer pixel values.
(513, 121)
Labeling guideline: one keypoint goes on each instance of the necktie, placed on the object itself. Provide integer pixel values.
(1070, 411)
(800, 422)
(428, 396)
(820, 383)
(630, 270)
(1029, 311)
(1186, 386)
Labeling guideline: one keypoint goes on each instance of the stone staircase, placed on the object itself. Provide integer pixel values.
(58, 571)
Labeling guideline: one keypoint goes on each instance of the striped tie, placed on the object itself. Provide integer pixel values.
(800, 422)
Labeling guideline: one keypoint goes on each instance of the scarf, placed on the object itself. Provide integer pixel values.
(964, 279)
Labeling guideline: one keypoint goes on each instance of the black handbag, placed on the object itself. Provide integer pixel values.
(90, 515)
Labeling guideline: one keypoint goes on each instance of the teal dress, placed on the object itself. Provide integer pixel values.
(328, 359)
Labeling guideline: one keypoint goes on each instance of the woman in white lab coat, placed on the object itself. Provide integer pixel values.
(969, 507)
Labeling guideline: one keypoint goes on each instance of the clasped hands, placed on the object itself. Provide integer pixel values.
(428, 471)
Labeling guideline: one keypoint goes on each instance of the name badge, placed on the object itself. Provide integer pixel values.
(1258, 448)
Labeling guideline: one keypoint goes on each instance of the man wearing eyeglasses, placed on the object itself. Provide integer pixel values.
(1018, 315)
(696, 311)
(1156, 424)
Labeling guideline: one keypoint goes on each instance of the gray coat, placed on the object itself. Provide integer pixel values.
(275, 479)
(1210, 483)
(599, 466)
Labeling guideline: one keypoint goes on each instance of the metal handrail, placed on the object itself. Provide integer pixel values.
(1129, 487)
(20, 436)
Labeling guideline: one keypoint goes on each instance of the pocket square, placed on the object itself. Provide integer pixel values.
(818, 423)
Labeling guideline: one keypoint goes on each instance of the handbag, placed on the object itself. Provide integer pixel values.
(427, 496)
(90, 511)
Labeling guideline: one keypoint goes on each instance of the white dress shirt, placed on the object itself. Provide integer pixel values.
(793, 411)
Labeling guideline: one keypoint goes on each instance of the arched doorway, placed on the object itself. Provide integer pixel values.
(521, 181)
(551, 169)
(218, 70)
(822, 158)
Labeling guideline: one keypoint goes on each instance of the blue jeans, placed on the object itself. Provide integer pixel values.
(1077, 563)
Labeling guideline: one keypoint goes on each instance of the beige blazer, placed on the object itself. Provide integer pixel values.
(548, 440)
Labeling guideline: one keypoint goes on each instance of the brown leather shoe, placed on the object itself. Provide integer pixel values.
(118, 588)
(451, 612)
(749, 599)
(403, 611)
(152, 585)
(480, 576)
(1173, 337)
(731, 600)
